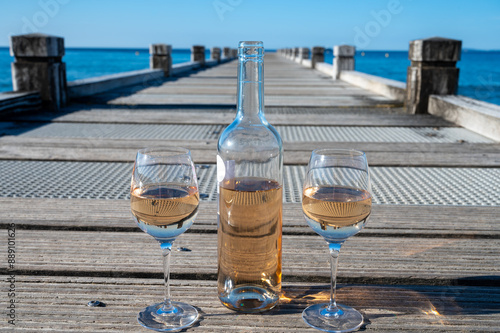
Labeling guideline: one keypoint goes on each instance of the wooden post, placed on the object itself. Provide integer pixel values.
(226, 52)
(295, 53)
(318, 55)
(160, 56)
(215, 54)
(234, 53)
(432, 71)
(38, 66)
(343, 59)
(198, 54)
(304, 53)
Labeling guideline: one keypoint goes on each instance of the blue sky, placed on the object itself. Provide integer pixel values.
(370, 25)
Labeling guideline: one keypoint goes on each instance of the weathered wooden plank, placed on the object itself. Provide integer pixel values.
(269, 81)
(383, 86)
(223, 87)
(388, 220)
(50, 303)
(124, 150)
(96, 85)
(269, 74)
(192, 89)
(15, 102)
(108, 154)
(430, 158)
(213, 99)
(192, 86)
(470, 113)
(336, 117)
(383, 260)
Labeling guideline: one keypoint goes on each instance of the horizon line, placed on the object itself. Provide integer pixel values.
(208, 48)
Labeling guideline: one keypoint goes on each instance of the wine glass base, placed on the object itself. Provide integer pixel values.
(153, 318)
(346, 320)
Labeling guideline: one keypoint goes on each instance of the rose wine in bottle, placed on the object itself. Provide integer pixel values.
(250, 182)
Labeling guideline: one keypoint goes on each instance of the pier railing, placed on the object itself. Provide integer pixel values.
(39, 73)
(431, 84)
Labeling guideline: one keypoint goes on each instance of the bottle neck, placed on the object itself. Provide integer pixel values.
(250, 88)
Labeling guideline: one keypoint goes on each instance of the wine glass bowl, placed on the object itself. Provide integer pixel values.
(336, 203)
(164, 201)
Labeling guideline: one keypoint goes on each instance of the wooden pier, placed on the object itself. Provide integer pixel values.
(427, 260)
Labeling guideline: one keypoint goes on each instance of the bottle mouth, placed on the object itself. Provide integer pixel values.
(250, 43)
(250, 49)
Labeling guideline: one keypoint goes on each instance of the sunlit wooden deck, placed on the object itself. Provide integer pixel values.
(427, 261)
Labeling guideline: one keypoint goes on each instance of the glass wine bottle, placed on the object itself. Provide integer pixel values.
(249, 176)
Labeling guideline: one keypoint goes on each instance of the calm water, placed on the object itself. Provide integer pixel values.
(479, 71)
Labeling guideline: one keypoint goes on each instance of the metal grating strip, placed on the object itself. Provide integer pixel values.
(119, 131)
(391, 185)
(379, 134)
(333, 110)
(288, 133)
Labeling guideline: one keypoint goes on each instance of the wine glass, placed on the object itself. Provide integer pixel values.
(336, 202)
(164, 201)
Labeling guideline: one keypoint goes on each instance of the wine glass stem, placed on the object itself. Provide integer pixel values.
(334, 258)
(167, 303)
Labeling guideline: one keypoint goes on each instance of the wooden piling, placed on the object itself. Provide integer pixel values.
(161, 57)
(198, 54)
(215, 54)
(432, 71)
(343, 59)
(304, 53)
(318, 55)
(38, 67)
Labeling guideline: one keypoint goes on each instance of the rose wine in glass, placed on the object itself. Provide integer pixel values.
(336, 202)
(164, 202)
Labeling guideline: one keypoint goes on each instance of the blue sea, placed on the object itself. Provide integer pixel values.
(479, 70)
